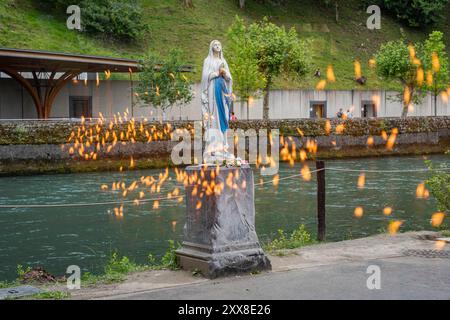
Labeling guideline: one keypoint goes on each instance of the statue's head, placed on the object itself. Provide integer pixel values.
(216, 46)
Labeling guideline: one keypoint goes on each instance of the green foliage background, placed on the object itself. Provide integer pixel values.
(439, 184)
(119, 20)
(416, 13)
(162, 82)
(24, 25)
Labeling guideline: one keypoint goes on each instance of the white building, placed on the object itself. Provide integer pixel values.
(111, 97)
(89, 97)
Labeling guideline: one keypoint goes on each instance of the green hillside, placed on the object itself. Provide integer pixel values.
(172, 25)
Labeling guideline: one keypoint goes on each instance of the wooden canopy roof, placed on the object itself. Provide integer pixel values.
(38, 61)
(58, 68)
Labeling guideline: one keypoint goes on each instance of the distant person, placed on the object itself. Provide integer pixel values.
(317, 73)
(349, 114)
(340, 113)
(361, 80)
(233, 117)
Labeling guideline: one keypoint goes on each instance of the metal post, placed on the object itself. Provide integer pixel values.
(321, 225)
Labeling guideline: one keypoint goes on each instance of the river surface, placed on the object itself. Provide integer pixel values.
(86, 236)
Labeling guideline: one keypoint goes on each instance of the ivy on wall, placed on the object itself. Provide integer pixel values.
(57, 132)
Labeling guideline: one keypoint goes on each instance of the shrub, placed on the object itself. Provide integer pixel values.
(298, 238)
(439, 185)
(416, 13)
(114, 271)
(169, 260)
(114, 19)
(121, 265)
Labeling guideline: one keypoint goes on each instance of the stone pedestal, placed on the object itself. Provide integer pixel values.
(220, 237)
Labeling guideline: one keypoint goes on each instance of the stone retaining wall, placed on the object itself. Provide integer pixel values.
(38, 140)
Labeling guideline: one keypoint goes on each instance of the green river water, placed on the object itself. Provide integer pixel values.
(58, 237)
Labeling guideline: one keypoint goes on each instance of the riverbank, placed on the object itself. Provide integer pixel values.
(411, 253)
(36, 147)
(36, 167)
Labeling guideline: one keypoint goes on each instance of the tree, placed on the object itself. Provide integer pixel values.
(435, 61)
(162, 82)
(277, 51)
(394, 61)
(336, 7)
(248, 81)
(416, 12)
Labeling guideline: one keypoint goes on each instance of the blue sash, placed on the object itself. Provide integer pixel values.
(220, 89)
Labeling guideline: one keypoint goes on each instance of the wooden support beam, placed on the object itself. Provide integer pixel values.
(43, 101)
(56, 88)
(29, 88)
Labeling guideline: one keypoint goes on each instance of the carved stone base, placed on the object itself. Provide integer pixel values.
(213, 265)
(220, 236)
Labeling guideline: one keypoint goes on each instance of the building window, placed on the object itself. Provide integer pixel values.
(318, 109)
(368, 109)
(80, 106)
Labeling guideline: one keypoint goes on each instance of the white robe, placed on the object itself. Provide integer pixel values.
(216, 141)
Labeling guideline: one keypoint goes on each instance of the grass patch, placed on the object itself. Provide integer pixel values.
(51, 295)
(119, 266)
(114, 271)
(168, 261)
(297, 239)
(445, 233)
(20, 277)
(173, 25)
(9, 284)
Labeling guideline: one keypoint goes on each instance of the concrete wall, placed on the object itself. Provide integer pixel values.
(115, 96)
(31, 140)
(109, 97)
(35, 147)
(15, 103)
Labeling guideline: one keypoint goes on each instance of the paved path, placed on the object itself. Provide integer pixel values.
(401, 278)
(325, 271)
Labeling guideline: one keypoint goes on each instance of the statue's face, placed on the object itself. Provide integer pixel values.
(217, 47)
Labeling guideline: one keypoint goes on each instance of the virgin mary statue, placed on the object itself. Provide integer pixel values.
(217, 89)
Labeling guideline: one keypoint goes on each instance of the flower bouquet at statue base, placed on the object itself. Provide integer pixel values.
(221, 157)
(216, 151)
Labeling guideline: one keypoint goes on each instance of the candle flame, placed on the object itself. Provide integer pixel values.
(321, 85)
(306, 173)
(327, 127)
(435, 62)
(359, 212)
(357, 66)
(412, 51)
(429, 78)
(276, 180)
(330, 74)
(394, 226)
(437, 219)
(361, 181)
(420, 77)
(387, 211)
